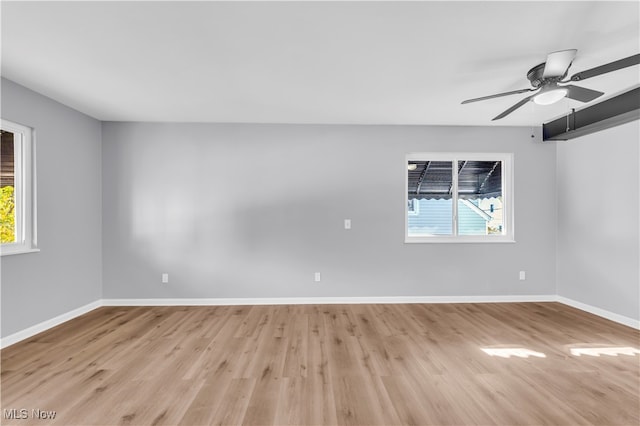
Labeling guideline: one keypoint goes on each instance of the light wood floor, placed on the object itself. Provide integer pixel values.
(321, 364)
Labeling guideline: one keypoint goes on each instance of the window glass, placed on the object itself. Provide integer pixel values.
(458, 197)
(430, 189)
(7, 188)
(479, 197)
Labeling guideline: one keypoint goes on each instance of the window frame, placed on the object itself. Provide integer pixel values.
(507, 159)
(24, 190)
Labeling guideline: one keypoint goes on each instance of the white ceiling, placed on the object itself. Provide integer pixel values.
(309, 62)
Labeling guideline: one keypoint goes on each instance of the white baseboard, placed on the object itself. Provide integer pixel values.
(326, 300)
(620, 319)
(46, 325)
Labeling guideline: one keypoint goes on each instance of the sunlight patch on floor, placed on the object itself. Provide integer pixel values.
(611, 351)
(509, 352)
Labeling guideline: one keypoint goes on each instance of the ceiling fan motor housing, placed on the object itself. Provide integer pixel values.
(537, 80)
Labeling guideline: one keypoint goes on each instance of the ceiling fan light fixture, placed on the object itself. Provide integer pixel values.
(549, 97)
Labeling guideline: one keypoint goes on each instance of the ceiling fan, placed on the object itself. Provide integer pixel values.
(546, 79)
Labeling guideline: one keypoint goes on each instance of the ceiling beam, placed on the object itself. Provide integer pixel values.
(612, 112)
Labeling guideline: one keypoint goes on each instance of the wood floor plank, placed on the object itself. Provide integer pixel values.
(296, 359)
(360, 400)
(234, 404)
(438, 364)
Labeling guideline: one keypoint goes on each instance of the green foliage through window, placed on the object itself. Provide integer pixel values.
(7, 215)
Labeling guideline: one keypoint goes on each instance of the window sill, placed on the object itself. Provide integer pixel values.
(458, 240)
(6, 252)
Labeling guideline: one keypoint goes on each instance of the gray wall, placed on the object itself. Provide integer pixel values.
(255, 210)
(66, 273)
(598, 211)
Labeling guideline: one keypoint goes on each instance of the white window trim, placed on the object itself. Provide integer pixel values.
(507, 197)
(25, 191)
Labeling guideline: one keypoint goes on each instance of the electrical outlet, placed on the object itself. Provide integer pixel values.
(165, 278)
(316, 277)
(523, 276)
(347, 224)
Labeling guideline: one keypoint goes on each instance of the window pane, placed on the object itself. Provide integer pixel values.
(429, 198)
(480, 198)
(7, 186)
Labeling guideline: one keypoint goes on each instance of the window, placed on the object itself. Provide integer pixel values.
(17, 197)
(459, 197)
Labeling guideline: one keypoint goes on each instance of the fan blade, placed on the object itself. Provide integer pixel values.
(513, 108)
(558, 63)
(582, 94)
(515, 92)
(603, 69)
